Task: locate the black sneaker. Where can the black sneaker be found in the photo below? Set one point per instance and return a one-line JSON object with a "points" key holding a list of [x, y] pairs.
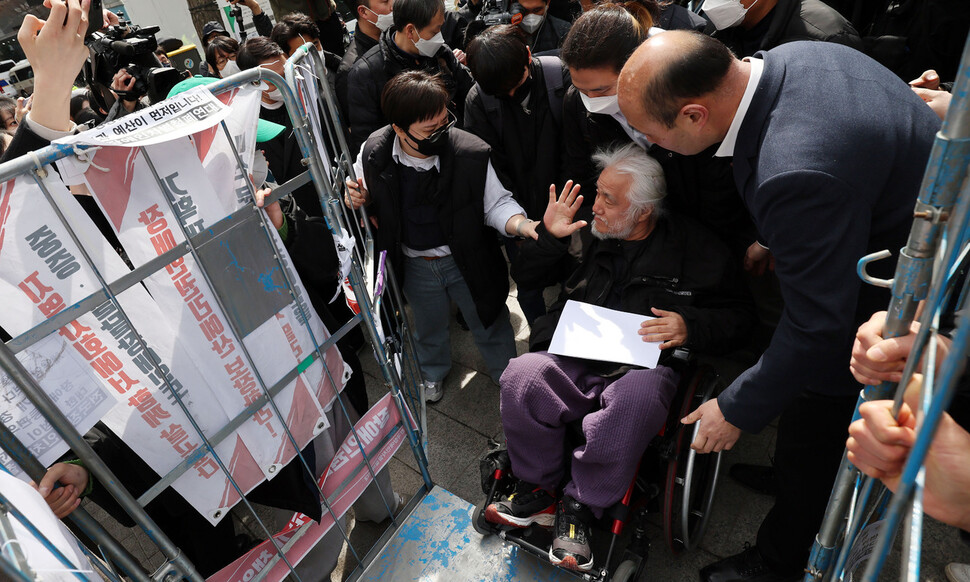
{"points": [[526, 505], [570, 549]]}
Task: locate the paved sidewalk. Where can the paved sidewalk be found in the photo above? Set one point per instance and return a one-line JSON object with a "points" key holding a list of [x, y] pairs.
{"points": [[460, 425]]}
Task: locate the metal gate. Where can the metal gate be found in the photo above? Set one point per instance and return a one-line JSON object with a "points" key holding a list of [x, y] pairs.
{"points": [[310, 105]]}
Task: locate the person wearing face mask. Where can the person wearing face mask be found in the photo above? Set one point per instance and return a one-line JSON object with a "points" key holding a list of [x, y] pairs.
{"points": [[414, 42], [373, 18], [436, 202], [748, 26], [282, 151], [297, 29], [516, 107], [221, 57], [546, 32], [595, 50]]}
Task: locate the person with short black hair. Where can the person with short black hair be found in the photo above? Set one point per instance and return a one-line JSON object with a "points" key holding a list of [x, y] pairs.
{"points": [[220, 56], [516, 107], [828, 177], [282, 152], [435, 200], [597, 47], [324, 14], [414, 42], [373, 18], [295, 30]]}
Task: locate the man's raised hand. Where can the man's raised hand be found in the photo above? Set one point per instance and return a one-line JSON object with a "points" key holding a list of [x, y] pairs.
{"points": [[559, 215]]}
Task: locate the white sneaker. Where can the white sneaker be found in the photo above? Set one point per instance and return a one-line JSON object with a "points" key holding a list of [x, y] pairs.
{"points": [[433, 391], [957, 572]]}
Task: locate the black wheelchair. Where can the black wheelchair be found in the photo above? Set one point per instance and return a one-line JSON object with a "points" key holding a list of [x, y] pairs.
{"points": [[672, 479]]}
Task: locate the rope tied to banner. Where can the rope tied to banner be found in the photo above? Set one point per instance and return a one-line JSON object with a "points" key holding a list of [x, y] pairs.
{"points": [[40, 167], [83, 153]]}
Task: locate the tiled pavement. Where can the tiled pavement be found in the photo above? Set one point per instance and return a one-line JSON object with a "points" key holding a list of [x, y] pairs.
{"points": [[460, 425]]}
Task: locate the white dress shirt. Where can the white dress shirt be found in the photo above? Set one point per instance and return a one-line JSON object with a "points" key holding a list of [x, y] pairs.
{"points": [[499, 204], [727, 146]]}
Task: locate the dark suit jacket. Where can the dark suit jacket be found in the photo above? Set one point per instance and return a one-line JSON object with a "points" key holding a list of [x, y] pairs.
{"points": [[828, 160]]}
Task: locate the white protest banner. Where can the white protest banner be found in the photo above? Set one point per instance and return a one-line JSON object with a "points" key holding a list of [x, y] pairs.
{"points": [[344, 481], [122, 182], [214, 148], [233, 189], [179, 116], [100, 354]]}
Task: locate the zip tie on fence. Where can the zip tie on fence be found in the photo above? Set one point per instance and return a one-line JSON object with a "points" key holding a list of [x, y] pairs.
{"points": [[83, 156], [40, 167]]}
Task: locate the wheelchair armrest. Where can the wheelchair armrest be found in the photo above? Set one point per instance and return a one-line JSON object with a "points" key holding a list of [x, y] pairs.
{"points": [[680, 359]]}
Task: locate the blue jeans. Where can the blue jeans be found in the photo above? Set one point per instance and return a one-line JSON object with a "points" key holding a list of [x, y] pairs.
{"points": [[430, 286]]}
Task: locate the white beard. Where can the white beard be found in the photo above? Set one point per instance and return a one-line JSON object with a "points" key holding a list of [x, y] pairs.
{"points": [[617, 230]]}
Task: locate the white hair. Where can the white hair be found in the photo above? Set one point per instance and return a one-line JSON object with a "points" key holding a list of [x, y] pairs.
{"points": [[648, 187]]}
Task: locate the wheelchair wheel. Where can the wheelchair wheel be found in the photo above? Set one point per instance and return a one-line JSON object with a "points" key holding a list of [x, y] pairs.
{"points": [[624, 572], [691, 477], [478, 520]]}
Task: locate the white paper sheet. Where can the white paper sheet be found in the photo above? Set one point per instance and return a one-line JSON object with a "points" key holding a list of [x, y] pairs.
{"points": [[597, 333]]}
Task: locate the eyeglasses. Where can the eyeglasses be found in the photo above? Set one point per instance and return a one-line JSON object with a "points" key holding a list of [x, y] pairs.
{"points": [[436, 134]]}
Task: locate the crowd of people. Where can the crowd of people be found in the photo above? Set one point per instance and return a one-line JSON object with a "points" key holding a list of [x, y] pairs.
{"points": [[716, 173]]}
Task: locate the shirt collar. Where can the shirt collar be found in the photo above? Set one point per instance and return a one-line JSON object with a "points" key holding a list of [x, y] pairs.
{"points": [[727, 145], [402, 157]]}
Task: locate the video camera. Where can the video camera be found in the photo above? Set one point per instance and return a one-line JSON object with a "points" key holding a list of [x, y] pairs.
{"points": [[125, 46], [495, 12]]}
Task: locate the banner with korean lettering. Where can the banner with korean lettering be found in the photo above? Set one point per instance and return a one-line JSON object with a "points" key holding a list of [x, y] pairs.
{"points": [[381, 433], [242, 293], [96, 361]]}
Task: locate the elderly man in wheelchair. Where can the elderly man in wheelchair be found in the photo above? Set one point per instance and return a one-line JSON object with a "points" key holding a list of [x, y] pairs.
{"points": [[635, 258]]}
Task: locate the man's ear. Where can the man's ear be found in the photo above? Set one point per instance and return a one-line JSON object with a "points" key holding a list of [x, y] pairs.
{"points": [[694, 114], [645, 215], [361, 10]]}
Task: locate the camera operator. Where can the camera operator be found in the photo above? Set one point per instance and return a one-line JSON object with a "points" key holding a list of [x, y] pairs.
{"points": [[516, 107], [414, 42]]}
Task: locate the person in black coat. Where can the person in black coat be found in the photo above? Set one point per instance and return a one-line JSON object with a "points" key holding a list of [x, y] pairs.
{"points": [[828, 178], [373, 18], [637, 259], [748, 26], [414, 42], [700, 186], [436, 203], [546, 32], [517, 110], [282, 152]]}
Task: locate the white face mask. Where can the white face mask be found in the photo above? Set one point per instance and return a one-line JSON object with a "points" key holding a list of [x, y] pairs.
{"points": [[725, 13], [532, 22], [231, 68], [384, 21], [429, 47], [608, 105]]}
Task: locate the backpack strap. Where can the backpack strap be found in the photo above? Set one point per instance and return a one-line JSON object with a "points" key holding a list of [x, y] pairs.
{"points": [[493, 109], [552, 72]]}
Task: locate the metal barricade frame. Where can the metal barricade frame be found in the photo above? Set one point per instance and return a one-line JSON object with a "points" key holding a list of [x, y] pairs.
{"points": [[176, 564]]}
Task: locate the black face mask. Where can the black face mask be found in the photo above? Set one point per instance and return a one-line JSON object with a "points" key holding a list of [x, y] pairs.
{"points": [[435, 143], [521, 92]]}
